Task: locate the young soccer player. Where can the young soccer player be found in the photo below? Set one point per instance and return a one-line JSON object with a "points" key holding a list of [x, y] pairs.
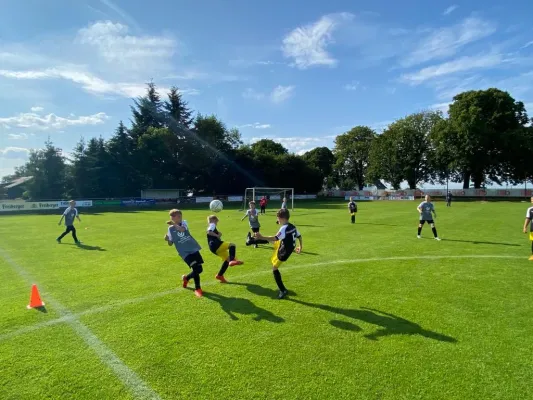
{"points": [[188, 248], [449, 199], [529, 221], [284, 245], [352, 206], [426, 209], [226, 251], [70, 214], [253, 219], [284, 203], [263, 204]]}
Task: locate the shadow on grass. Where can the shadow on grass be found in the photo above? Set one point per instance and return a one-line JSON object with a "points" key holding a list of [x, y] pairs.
{"points": [[481, 242], [260, 290], [83, 246], [237, 305], [41, 309], [389, 324]]}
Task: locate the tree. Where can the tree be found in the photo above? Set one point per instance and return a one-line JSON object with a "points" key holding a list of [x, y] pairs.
{"points": [[482, 123], [384, 160], [268, 146], [352, 151], [123, 175], [147, 112], [177, 113], [47, 166], [322, 159]]}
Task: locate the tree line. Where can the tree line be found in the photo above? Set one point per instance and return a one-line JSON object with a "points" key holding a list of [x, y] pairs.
{"points": [[486, 138]]}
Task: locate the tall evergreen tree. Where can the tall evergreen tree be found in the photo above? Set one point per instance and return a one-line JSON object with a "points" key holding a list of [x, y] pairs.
{"points": [[147, 112], [123, 174]]}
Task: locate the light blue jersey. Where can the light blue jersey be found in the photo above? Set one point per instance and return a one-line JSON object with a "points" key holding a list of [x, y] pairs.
{"points": [[184, 243], [427, 209]]}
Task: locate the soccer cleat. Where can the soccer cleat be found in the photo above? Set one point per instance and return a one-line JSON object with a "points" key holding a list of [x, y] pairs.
{"points": [[221, 279], [256, 246], [419, 237], [282, 294], [78, 243], [437, 238], [235, 262], [198, 293], [185, 281], [58, 241]]}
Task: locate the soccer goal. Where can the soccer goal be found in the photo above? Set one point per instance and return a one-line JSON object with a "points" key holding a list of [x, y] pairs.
{"points": [[274, 195]]}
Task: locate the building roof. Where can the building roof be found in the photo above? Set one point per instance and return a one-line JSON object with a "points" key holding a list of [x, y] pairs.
{"points": [[18, 182]]}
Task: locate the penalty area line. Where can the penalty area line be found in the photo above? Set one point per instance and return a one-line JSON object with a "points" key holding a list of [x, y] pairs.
{"points": [[142, 299]]}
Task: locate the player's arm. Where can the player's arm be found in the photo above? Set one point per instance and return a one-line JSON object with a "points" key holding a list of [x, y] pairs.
{"points": [[78, 215], [434, 212], [526, 223], [168, 237], [300, 248], [245, 215], [62, 216], [210, 231]]}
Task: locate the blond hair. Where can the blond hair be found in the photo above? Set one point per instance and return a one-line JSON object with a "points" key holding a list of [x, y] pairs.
{"points": [[172, 213]]}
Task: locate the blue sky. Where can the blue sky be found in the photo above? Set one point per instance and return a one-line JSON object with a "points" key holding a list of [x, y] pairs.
{"points": [[299, 72]]}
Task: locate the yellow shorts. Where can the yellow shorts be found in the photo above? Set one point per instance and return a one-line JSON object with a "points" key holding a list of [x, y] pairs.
{"points": [[531, 236], [223, 251], [276, 263]]}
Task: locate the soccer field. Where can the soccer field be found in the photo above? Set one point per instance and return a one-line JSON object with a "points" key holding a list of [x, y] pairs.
{"points": [[373, 312]]}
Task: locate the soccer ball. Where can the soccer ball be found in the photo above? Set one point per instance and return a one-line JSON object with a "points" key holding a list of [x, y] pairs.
{"points": [[216, 206]]}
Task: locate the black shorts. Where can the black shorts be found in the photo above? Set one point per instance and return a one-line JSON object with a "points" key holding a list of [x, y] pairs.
{"points": [[193, 259], [255, 230], [423, 221]]}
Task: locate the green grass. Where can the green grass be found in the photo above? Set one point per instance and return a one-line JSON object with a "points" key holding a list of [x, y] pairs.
{"points": [[375, 314]]}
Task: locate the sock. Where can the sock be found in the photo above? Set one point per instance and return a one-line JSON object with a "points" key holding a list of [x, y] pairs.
{"points": [[419, 231], [261, 242], [434, 232], [74, 235], [232, 251], [277, 277], [223, 268], [195, 274], [353, 219]]}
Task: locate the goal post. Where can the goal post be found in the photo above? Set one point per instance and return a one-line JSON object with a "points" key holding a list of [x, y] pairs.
{"points": [[273, 194]]}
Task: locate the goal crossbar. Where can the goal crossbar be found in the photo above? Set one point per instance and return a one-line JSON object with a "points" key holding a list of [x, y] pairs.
{"points": [[254, 192]]}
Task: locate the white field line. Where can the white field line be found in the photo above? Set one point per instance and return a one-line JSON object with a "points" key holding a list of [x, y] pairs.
{"points": [[128, 377], [137, 300]]}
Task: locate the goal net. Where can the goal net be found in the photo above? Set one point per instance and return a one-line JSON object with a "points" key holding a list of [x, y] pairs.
{"points": [[274, 196]]}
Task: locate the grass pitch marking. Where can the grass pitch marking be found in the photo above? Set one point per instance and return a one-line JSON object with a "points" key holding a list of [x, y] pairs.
{"points": [[128, 377], [70, 317]]}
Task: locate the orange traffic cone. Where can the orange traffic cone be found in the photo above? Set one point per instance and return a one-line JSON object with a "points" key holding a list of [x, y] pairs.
{"points": [[35, 298]]}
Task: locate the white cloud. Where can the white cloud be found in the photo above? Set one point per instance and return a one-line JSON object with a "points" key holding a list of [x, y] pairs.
{"points": [[255, 125], [307, 45], [18, 136], [450, 9], [443, 107], [527, 45], [351, 86], [462, 64], [446, 42], [281, 93], [122, 13], [298, 144], [14, 153], [87, 81], [37, 109], [50, 121], [250, 93], [117, 47]]}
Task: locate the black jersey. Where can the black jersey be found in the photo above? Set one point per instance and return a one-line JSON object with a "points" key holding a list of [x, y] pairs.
{"points": [[286, 237], [352, 206], [213, 242]]}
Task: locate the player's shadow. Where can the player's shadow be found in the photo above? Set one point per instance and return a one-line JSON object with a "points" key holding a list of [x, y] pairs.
{"points": [[238, 305], [481, 242], [260, 290], [83, 246], [389, 324]]}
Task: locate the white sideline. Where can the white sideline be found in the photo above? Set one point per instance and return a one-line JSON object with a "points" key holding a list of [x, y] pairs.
{"points": [[97, 310], [128, 377]]}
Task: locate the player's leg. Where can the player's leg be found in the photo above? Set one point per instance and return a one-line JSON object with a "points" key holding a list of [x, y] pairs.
{"points": [[531, 238], [222, 271], [434, 230], [67, 231], [276, 263], [73, 230], [353, 218], [420, 225], [232, 250]]}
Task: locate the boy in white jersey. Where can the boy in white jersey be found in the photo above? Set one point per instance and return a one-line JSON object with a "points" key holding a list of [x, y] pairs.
{"points": [[284, 245], [225, 250], [70, 214], [187, 247], [426, 209], [529, 221]]}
